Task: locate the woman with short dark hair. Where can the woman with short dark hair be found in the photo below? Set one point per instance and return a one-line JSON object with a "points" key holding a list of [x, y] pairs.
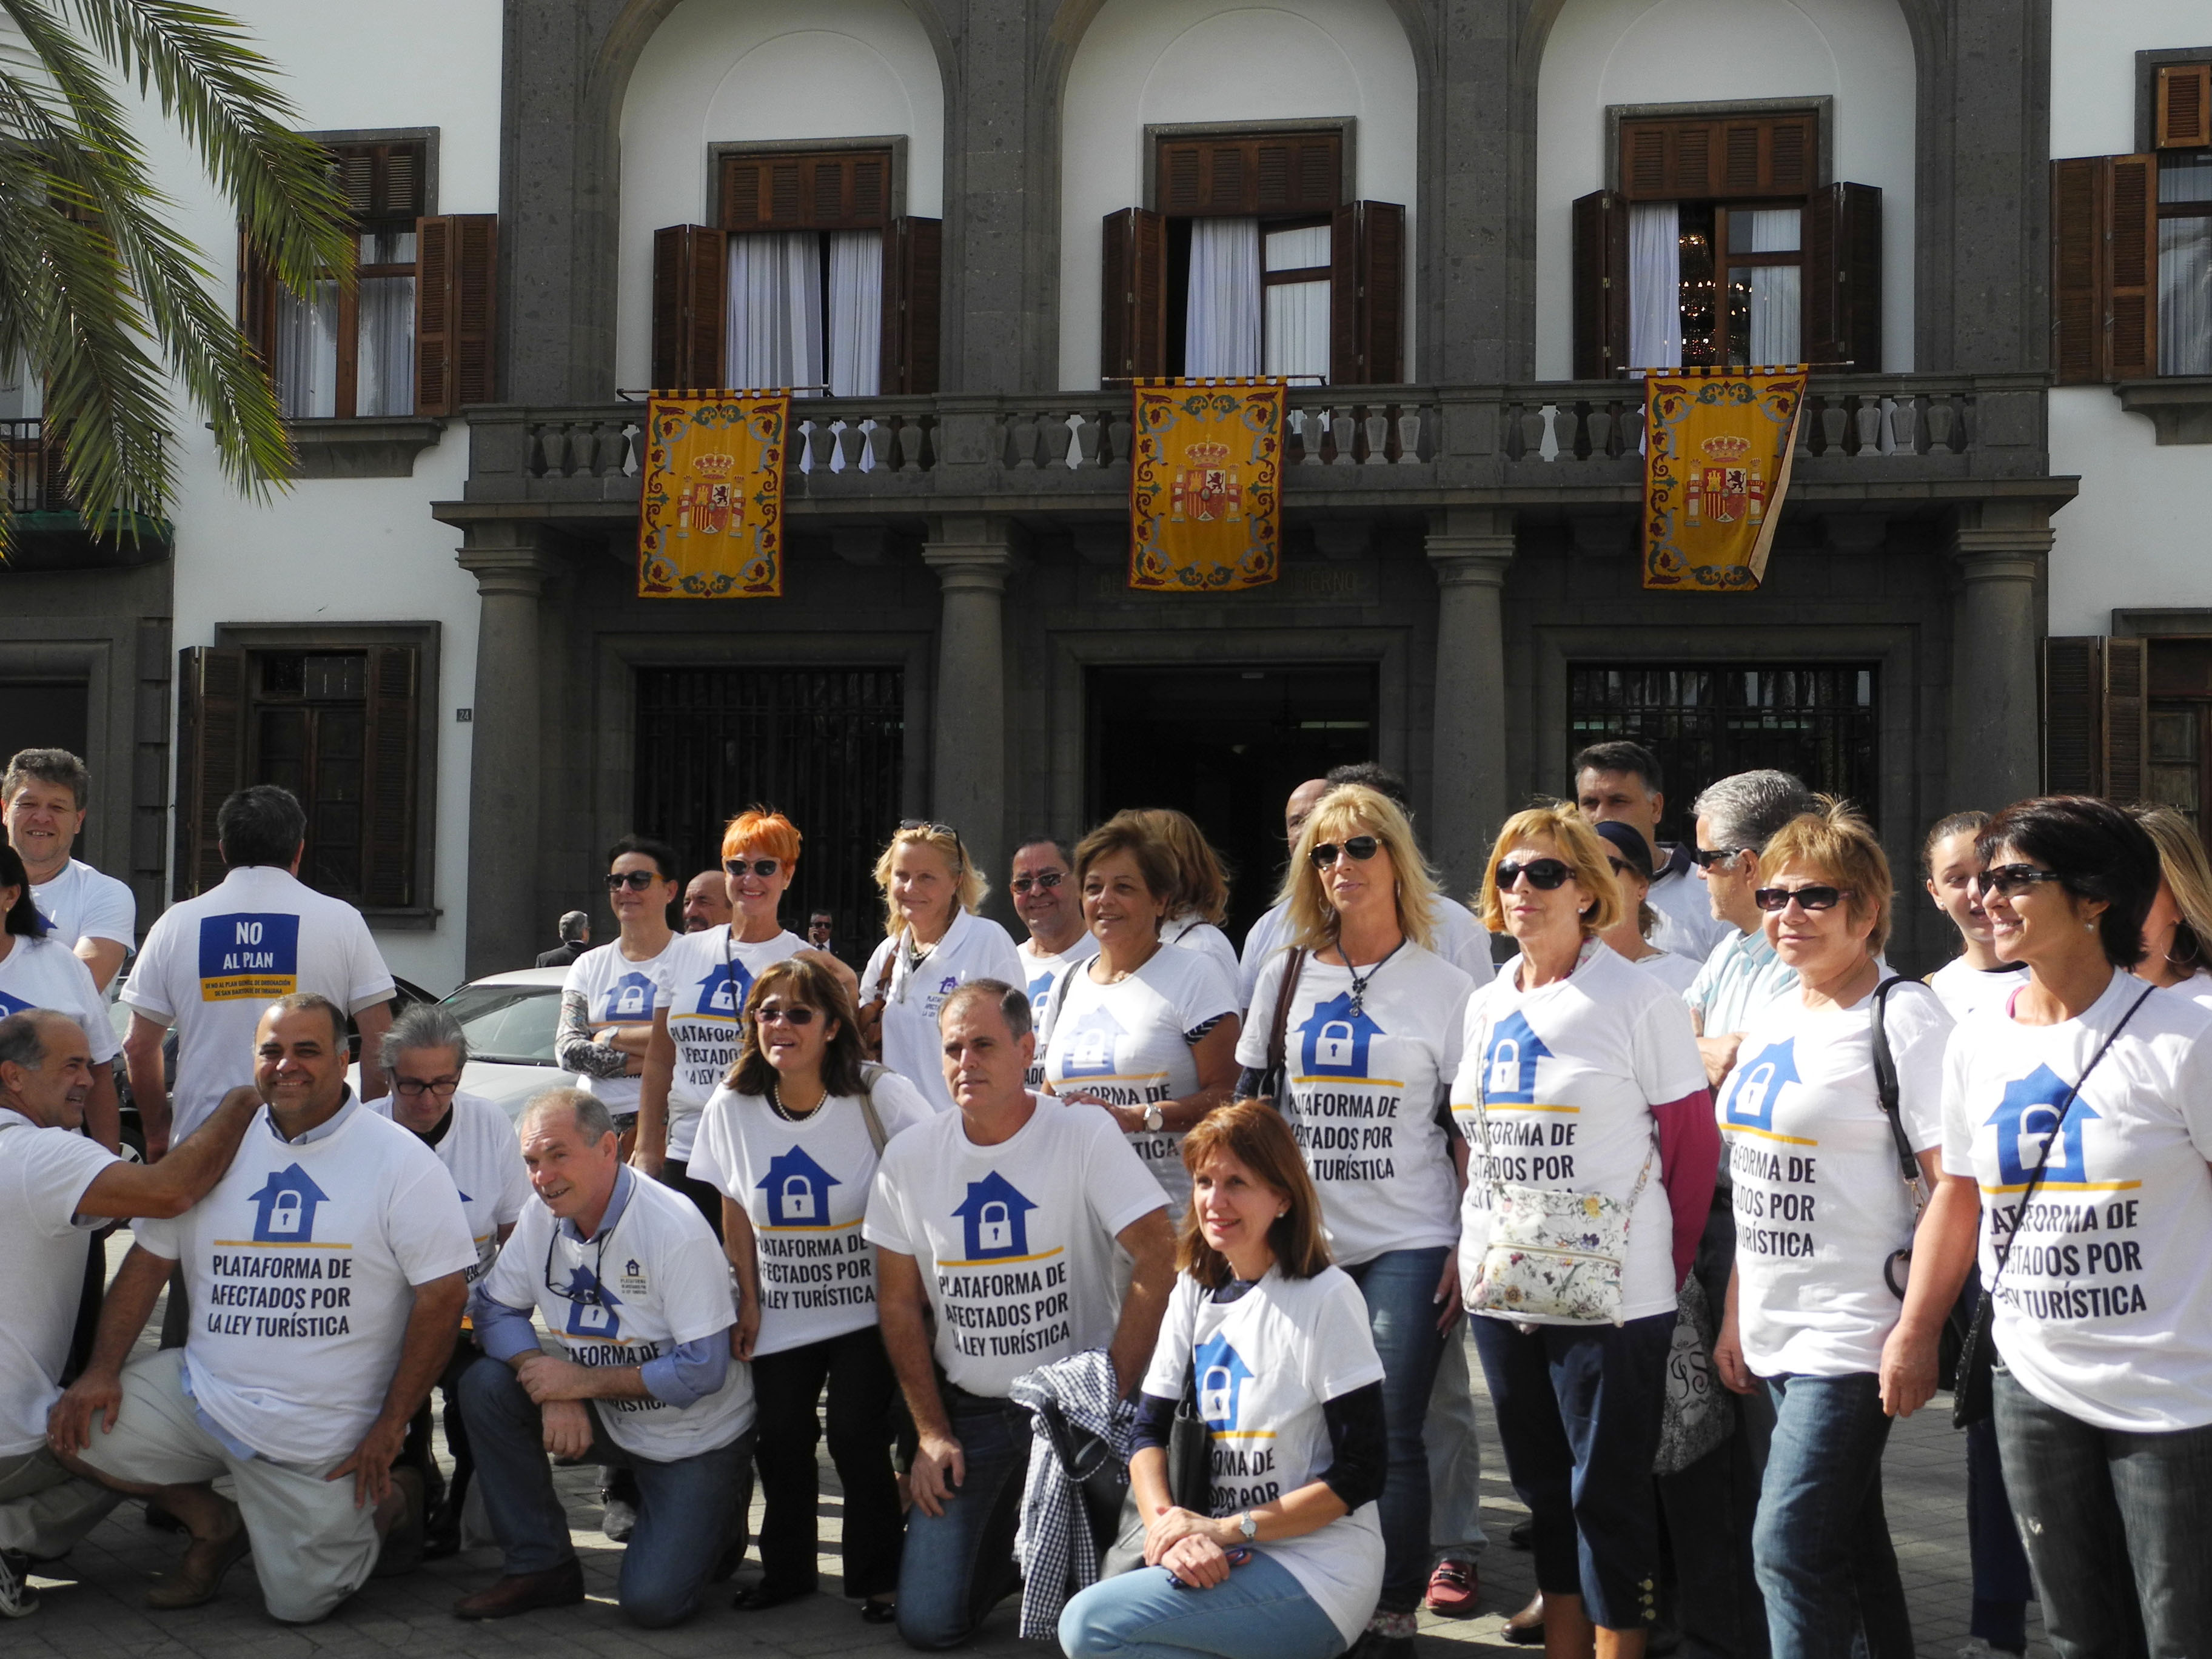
{"points": [[2083, 1112]]}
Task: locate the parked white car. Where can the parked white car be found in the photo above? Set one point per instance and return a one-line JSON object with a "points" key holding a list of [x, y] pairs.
{"points": [[510, 1020]]}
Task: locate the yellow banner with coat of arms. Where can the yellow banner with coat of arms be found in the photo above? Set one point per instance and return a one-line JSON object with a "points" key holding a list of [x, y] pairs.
{"points": [[1205, 485], [710, 508], [1718, 449]]}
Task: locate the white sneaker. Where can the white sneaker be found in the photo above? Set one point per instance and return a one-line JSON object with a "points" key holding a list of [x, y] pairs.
{"points": [[1975, 1647], [17, 1599]]}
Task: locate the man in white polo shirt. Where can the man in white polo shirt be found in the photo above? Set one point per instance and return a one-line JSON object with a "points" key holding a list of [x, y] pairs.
{"points": [[1001, 1218], [634, 1286], [1045, 899], [45, 793], [326, 1271]]}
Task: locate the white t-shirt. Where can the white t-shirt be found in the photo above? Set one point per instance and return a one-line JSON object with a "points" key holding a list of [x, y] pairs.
{"points": [[1676, 973], [1041, 973], [1266, 1364], [300, 1267], [974, 947], [805, 1186], [655, 1280], [81, 903], [1460, 940], [1124, 1043], [617, 992], [2197, 988], [212, 965], [705, 979], [43, 1174], [2104, 1311], [1364, 1090], [1195, 932], [1015, 1242], [1687, 926], [481, 1151], [45, 973], [1967, 990], [1820, 1203], [1569, 1073]]}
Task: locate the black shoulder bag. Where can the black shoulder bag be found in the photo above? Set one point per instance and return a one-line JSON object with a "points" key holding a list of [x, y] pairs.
{"points": [[1190, 1480], [1275, 1081], [1971, 1402], [1897, 1269]]}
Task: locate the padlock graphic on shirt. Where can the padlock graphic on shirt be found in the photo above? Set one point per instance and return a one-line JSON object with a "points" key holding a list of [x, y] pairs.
{"points": [[1093, 1048], [798, 1199], [285, 1215], [591, 1318], [1504, 1067], [632, 999], [1217, 1394], [1335, 1045], [994, 1227]]}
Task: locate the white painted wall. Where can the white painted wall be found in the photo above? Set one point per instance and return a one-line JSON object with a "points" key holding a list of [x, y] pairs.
{"points": [[2136, 535], [367, 549], [1150, 61], [1603, 52], [726, 71]]}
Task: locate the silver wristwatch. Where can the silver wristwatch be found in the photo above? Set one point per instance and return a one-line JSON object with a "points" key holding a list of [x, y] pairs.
{"points": [[1155, 1119], [1248, 1526]]}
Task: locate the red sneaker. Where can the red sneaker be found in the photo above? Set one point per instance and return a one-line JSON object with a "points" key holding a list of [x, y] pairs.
{"points": [[1454, 1588]]}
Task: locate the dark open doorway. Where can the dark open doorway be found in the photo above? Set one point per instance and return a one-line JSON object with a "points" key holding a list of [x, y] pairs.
{"points": [[1225, 746]]}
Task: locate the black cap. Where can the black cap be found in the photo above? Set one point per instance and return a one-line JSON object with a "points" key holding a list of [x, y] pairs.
{"points": [[1627, 840]]}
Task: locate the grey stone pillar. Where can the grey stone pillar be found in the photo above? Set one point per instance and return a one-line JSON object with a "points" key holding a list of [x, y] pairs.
{"points": [[505, 807], [1996, 724], [967, 748], [1469, 549]]}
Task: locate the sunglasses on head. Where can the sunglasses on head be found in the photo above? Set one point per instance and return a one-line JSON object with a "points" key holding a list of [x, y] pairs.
{"points": [[1547, 875], [2011, 878], [936, 829], [1816, 897], [1044, 881], [636, 880], [1707, 857], [1359, 846], [798, 1015], [762, 868]]}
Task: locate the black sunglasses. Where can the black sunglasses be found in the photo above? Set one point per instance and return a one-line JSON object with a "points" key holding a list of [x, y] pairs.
{"points": [[2010, 878], [1546, 875], [936, 829], [1044, 881], [1817, 897], [796, 1016], [1362, 847], [636, 880], [762, 868], [1707, 857]]}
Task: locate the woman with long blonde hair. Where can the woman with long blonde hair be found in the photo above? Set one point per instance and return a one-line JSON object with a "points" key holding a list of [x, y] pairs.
{"points": [[2177, 931]]}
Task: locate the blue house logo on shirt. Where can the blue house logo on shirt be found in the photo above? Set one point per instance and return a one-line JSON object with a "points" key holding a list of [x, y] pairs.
{"points": [[630, 997], [1336, 1038], [2025, 1120], [1509, 1062], [1041, 994], [994, 1217], [1091, 1045], [10, 1006], [1221, 1376], [288, 1201], [1752, 1090], [724, 990], [591, 1305], [798, 1190]]}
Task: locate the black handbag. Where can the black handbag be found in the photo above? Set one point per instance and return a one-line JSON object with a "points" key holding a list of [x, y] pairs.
{"points": [[1190, 1481], [1972, 1402]]}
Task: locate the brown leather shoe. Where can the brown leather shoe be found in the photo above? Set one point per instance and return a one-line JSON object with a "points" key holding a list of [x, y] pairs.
{"points": [[198, 1577], [1526, 1628], [559, 1587]]}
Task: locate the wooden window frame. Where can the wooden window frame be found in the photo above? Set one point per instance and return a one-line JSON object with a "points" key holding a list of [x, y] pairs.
{"points": [[424, 142], [1296, 274], [1820, 111], [1726, 263]]}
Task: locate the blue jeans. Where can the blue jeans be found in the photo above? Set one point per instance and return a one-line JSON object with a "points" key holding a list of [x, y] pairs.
{"points": [[686, 1508], [2003, 1588], [1821, 1541], [958, 1565], [1261, 1612], [1400, 1288], [2119, 1529]]}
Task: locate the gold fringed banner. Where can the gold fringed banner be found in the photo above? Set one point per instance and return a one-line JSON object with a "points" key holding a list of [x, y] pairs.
{"points": [[1717, 448], [710, 508], [1205, 485]]}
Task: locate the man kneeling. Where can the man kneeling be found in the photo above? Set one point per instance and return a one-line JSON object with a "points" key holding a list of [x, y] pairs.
{"points": [[633, 1285]]}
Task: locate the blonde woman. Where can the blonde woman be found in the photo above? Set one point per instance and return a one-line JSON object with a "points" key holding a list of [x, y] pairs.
{"points": [[933, 943], [2178, 932], [1200, 902], [1371, 1037]]}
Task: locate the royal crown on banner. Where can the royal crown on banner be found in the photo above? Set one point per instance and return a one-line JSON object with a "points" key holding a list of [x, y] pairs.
{"points": [[1718, 450], [710, 504]]}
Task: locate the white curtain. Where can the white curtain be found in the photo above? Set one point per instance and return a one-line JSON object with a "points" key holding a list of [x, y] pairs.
{"points": [[22, 396], [2185, 272], [307, 353], [1222, 336], [1295, 330], [1776, 337], [384, 379], [856, 313], [1654, 285], [774, 311]]}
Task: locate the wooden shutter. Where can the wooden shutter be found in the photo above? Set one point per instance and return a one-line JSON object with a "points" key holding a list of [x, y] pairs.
{"points": [[913, 284], [388, 768], [456, 258], [691, 269], [1133, 296], [256, 303], [1843, 277], [835, 190], [1273, 173], [1366, 294], [380, 181], [2131, 300], [2096, 700], [211, 710], [1600, 285], [2104, 242], [2185, 106], [1707, 158]]}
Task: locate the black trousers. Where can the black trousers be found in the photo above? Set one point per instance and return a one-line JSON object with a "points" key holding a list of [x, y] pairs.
{"points": [[677, 1172], [786, 1388], [417, 1453]]}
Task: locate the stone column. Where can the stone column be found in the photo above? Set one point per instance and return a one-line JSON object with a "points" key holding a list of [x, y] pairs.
{"points": [[504, 806], [967, 747], [1996, 714], [1469, 549]]}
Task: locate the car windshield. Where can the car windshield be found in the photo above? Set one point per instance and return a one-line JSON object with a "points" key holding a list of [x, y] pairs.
{"points": [[508, 1024]]}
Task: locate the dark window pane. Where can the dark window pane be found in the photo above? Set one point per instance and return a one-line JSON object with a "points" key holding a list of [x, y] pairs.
{"points": [[283, 673], [334, 676]]}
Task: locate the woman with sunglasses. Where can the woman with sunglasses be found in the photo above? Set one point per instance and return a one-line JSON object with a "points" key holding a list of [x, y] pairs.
{"points": [[1370, 1041], [1628, 855], [2178, 932], [1581, 1073], [934, 943], [1820, 1309], [1143, 1031], [607, 1000], [2083, 1111], [1202, 900], [697, 1020], [790, 1142]]}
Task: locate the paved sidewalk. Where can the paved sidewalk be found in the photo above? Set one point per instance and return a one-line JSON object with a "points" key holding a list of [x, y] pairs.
{"points": [[95, 1613]]}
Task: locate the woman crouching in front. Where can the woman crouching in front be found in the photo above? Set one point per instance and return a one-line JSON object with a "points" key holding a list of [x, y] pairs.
{"points": [[1282, 1558]]}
